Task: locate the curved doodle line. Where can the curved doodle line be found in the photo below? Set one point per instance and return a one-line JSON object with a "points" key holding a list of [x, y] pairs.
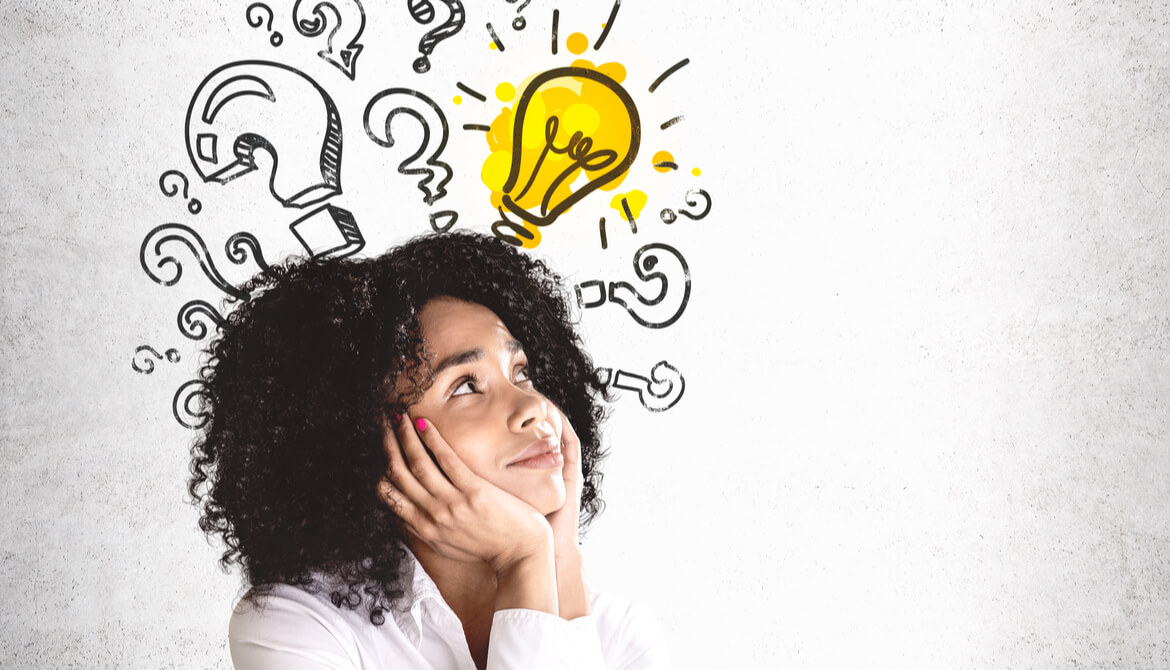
{"points": [[519, 23], [669, 71], [171, 190], [515, 233], [448, 216], [430, 40], [692, 203], [495, 37], [238, 246], [439, 191], [644, 263], [608, 25], [626, 381], [346, 59], [181, 405], [177, 232], [204, 146], [147, 363], [193, 317], [254, 20]]}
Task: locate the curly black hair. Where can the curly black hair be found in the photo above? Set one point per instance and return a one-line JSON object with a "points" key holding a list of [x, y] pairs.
{"points": [[297, 385]]}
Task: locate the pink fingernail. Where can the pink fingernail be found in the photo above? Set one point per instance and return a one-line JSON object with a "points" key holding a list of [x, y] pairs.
{"points": [[397, 419], [422, 424]]}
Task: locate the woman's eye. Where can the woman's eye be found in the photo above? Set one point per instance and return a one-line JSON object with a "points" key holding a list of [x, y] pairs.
{"points": [[465, 387], [522, 375]]}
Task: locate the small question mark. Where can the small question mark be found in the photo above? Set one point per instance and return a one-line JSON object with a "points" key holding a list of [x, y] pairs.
{"points": [[657, 393], [668, 216], [347, 13], [519, 22], [423, 12], [388, 104], [255, 17], [652, 312], [171, 190], [144, 364]]}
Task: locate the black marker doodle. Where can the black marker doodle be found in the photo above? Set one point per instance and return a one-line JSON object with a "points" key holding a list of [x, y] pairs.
{"points": [[144, 364], [346, 14], [671, 122], [188, 405], [604, 239], [654, 311], [657, 393], [238, 246], [608, 24], [423, 12], [519, 22], [611, 163], [510, 231], [172, 189], [470, 91], [443, 221], [194, 317], [669, 71], [666, 165], [255, 16], [328, 232], [629, 216], [177, 233], [495, 37], [247, 106], [668, 216], [394, 101], [556, 23]]}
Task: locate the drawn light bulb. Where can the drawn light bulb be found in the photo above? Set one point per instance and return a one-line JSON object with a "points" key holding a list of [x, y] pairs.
{"points": [[575, 130]]}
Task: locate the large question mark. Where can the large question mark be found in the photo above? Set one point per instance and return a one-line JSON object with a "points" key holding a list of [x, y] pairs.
{"points": [[519, 22], [668, 216], [172, 189], [255, 17], [346, 13], [657, 393], [144, 364], [388, 104], [654, 311], [247, 106], [423, 12]]}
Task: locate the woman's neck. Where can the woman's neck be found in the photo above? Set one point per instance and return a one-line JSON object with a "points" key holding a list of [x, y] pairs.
{"points": [[469, 589]]}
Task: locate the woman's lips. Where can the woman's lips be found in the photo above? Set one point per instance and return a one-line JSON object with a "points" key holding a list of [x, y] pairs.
{"points": [[541, 454]]}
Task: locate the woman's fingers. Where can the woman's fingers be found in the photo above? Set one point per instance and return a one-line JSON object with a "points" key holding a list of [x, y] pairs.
{"points": [[399, 473], [418, 461], [456, 470]]}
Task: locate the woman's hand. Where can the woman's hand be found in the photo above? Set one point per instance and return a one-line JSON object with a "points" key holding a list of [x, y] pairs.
{"points": [[572, 593], [458, 514]]}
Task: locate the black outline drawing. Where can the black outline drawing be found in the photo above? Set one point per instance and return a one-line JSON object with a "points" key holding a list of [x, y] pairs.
{"points": [[656, 392], [449, 217], [495, 37], [177, 232], [671, 122], [315, 24], [601, 228], [321, 178], [645, 262], [470, 91], [181, 405], [423, 12], [668, 216], [171, 190], [238, 246], [194, 316], [481, 127], [578, 149], [519, 23], [669, 71], [328, 232], [145, 364], [629, 216], [671, 165], [608, 25], [556, 24], [397, 99], [254, 19]]}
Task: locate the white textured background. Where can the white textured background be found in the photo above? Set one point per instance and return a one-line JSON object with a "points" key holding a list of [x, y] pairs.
{"points": [[927, 353]]}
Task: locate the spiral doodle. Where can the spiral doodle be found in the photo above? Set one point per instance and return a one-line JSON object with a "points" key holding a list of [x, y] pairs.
{"points": [[188, 405], [193, 318], [177, 233]]}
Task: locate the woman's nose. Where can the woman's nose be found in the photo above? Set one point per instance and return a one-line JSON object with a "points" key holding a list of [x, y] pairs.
{"points": [[530, 407]]}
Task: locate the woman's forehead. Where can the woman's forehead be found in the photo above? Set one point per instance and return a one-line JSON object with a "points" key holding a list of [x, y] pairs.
{"points": [[449, 325]]}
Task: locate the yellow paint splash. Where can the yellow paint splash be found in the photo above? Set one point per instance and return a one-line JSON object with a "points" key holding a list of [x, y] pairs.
{"points": [[635, 199], [458, 100], [577, 43], [505, 92], [662, 157], [492, 46], [696, 172]]}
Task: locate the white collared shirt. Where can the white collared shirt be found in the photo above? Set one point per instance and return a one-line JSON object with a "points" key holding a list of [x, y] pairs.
{"points": [[294, 629]]}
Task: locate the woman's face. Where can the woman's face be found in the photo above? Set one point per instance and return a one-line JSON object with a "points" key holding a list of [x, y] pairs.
{"points": [[484, 405]]}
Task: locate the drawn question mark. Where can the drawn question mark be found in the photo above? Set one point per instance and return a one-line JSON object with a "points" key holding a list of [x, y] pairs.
{"points": [[655, 311], [255, 17], [657, 393], [346, 13], [423, 12], [668, 216], [392, 102], [519, 22], [154, 260], [188, 406], [142, 362], [172, 189], [249, 106]]}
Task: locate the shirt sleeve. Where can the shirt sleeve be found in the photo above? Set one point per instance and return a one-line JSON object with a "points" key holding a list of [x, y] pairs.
{"points": [[288, 633], [531, 640]]}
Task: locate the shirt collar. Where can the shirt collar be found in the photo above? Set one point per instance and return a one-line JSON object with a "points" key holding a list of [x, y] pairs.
{"points": [[420, 588]]}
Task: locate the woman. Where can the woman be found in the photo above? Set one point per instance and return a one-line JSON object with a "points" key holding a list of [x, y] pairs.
{"points": [[414, 435]]}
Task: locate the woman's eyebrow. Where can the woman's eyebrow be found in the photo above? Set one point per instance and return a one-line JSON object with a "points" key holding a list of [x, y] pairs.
{"points": [[466, 356]]}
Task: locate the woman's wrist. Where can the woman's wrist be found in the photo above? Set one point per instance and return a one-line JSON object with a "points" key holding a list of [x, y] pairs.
{"points": [[528, 580]]}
